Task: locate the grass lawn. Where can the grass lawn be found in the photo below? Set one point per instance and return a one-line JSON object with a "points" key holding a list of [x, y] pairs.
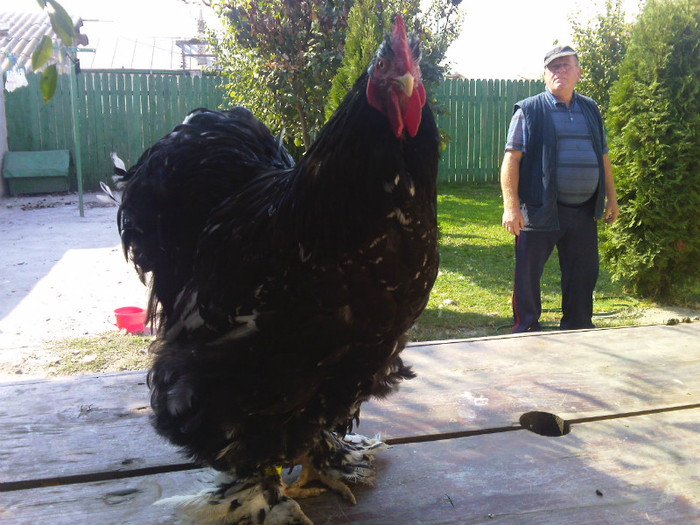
{"points": [[472, 294]]}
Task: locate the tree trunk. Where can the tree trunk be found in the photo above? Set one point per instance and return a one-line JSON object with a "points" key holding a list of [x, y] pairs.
{"points": [[304, 126]]}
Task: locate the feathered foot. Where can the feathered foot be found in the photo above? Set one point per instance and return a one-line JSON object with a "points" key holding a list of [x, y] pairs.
{"points": [[337, 460], [259, 500]]}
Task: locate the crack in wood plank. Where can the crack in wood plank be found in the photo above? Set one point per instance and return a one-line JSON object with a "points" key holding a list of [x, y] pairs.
{"points": [[177, 467]]}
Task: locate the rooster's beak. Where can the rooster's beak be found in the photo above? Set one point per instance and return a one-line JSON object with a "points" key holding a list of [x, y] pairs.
{"points": [[405, 82]]}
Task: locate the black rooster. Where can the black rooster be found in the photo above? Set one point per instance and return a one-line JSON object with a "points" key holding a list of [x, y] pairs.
{"points": [[282, 292]]}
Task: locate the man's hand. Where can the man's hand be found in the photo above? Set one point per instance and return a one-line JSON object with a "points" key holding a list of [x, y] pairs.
{"points": [[612, 211], [513, 220]]}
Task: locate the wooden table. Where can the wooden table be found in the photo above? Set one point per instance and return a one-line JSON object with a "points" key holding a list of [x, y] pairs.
{"points": [[80, 450]]}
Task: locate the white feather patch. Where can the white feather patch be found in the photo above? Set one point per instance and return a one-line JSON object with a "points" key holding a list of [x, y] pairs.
{"points": [[411, 188], [403, 219], [249, 328], [118, 163], [190, 318], [212, 506], [303, 256]]}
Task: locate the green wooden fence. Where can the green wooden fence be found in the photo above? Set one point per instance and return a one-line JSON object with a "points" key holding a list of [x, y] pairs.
{"points": [[477, 119], [128, 111], [118, 111]]}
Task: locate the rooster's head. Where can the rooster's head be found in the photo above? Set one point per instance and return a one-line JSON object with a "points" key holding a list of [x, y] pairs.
{"points": [[395, 87]]}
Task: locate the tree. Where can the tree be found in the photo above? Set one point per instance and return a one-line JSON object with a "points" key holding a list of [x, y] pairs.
{"points": [[369, 20], [62, 25], [364, 33], [279, 57], [601, 46], [439, 26], [654, 122]]}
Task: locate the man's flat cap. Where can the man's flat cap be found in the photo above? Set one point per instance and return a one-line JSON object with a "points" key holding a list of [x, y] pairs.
{"points": [[558, 52]]}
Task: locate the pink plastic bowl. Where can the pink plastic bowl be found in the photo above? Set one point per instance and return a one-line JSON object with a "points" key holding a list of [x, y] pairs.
{"points": [[130, 318]]}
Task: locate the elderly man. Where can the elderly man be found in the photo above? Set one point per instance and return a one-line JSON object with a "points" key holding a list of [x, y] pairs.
{"points": [[557, 182]]}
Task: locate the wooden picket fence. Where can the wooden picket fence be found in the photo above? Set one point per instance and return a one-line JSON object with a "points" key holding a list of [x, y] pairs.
{"points": [[119, 111], [477, 119], [127, 111]]}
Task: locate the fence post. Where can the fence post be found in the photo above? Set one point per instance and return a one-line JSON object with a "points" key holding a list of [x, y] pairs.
{"points": [[76, 129]]}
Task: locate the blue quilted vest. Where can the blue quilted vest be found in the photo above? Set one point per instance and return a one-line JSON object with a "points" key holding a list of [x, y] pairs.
{"points": [[537, 186]]}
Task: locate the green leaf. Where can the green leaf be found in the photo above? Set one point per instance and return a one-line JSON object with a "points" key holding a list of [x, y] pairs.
{"points": [[61, 23], [47, 84], [42, 3], [42, 53]]}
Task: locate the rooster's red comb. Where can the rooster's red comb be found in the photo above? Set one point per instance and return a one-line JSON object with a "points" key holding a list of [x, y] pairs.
{"points": [[399, 44], [399, 29]]}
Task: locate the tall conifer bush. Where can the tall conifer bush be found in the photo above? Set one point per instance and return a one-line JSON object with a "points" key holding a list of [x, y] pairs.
{"points": [[654, 135], [601, 45], [364, 33]]}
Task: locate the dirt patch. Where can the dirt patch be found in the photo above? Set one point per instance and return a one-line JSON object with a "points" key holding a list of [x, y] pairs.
{"points": [[669, 315], [62, 276]]}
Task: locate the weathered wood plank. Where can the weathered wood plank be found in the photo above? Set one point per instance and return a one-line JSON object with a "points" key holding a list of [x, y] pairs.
{"points": [[112, 129], [461, 103], [100, 423], [634, 470], [91, 128], [645, 468], [70, 427], [490, 382]]}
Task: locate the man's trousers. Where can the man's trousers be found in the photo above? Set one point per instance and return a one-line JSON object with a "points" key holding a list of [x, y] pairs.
{"points": [[577, 245]]}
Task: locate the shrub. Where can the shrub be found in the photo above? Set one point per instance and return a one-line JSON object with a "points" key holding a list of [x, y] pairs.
{"points": [[654, 123], [601, 47]]}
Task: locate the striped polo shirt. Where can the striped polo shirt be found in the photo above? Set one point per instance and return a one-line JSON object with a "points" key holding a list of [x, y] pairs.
{"points": [[577, 164]]}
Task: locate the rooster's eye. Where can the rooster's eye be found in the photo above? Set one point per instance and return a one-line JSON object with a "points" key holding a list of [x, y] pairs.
{"points": [[380, 63]]}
